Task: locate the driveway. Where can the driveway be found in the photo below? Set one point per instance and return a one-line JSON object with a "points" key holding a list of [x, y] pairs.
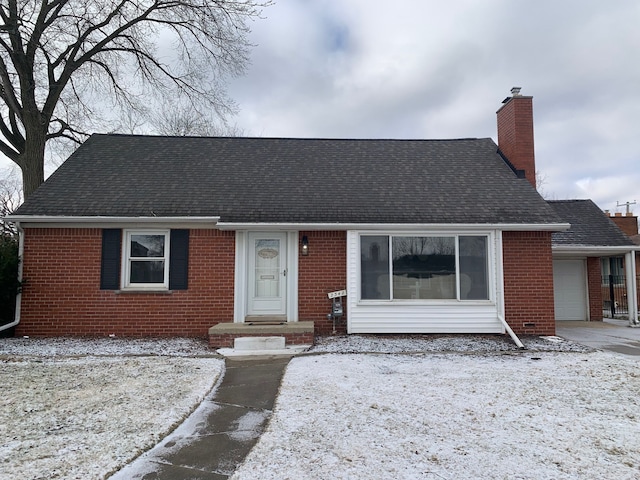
{"points": [[613, 335]]}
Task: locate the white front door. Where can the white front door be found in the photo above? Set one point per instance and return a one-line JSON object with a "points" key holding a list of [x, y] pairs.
{"points": [[267, 274]]}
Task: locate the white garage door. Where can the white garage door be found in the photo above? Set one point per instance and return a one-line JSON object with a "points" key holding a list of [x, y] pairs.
{"points": [[569, 288]]}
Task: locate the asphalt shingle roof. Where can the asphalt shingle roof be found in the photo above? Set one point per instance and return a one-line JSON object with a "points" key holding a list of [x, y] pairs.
{"points": [[291, 180], [590, 226]]}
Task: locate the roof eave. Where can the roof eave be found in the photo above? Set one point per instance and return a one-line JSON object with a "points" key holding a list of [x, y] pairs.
{"points": [[551, 227], [52, 221], [592, 250], [214, 221]]}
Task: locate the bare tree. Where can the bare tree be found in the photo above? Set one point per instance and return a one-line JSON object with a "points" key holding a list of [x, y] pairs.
{"points": [[10, 199], [403, 246], [132, 120], [541, 181], [183, 121], [60, 60]]}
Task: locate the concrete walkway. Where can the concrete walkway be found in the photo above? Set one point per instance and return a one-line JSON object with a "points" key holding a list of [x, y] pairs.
{"points": [[216, 438], [613, 335]]}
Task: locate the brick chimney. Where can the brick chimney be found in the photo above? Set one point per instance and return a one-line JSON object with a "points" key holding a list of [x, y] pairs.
{"points": [[515, 133], [628, 224]]}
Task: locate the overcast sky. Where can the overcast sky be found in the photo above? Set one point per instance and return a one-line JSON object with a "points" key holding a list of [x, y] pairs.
{"points": [[440, 69], [434, 69]]}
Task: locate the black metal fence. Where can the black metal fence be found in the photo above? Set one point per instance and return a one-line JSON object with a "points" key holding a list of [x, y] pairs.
{"points": [[614, 295]]}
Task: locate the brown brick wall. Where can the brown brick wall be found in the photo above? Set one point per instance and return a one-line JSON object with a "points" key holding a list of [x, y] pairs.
{"points": [[594, 286], [528, 282], [628, 224], [62, 295], [225, 340], [324, 270]]}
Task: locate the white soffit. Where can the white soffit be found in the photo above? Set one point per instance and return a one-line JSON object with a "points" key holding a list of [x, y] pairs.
{"points": [[551, 227], [46, 221], [591, 251]]}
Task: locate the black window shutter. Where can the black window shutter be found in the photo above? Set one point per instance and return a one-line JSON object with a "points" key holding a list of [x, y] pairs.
{"points": [[110, 263], [179, 259]]}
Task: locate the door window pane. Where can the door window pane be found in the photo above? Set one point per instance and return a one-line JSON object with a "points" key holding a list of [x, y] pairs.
{"points": [[424, 268], [473, 268], [374, 267], [267, 268]]}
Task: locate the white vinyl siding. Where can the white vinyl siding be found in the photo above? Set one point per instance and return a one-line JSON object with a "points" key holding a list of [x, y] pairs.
{"points": [[422, 315]]}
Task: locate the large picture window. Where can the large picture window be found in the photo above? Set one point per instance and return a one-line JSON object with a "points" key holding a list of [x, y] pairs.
{"points": [[395, 267], [146, 259]]}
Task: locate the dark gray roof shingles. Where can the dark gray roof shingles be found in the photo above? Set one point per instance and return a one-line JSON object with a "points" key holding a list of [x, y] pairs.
{"points": [[290, 181], [590, 226]]}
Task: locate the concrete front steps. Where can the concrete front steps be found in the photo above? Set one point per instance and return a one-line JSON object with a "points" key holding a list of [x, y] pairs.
{"points": [[252, 346], [254, 338]]}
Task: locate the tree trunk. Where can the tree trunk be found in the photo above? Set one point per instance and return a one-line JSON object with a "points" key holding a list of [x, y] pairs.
{"points": [[31, 161]]}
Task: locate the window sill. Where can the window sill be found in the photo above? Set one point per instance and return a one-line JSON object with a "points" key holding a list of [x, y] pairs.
{"points": [[425, 302], [154, 291]]}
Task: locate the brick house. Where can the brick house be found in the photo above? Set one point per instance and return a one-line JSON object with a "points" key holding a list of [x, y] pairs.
{"points": [[185, 236], [578, 256], [617, 265]]}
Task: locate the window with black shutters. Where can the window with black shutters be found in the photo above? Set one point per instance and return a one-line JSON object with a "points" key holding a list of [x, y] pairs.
{"points": [[144, 259]]}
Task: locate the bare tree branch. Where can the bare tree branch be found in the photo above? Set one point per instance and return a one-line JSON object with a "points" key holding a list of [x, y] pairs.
{"points": [[59, 57], [183, 120], [10, 198]]}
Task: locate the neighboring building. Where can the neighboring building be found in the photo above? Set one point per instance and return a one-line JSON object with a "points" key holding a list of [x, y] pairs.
{"points": [[142, 235], [627, 223], [579, 255], [615, 266]]}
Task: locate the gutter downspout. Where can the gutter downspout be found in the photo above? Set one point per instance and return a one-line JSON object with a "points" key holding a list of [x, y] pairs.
{"points": [[16, 320], [513, 336]]}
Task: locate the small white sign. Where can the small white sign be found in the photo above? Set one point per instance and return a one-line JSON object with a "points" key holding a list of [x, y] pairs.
{"points": [[339, 293]]}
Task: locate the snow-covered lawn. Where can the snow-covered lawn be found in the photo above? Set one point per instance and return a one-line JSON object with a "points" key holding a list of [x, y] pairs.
{"points": [[81, 409], [510, 415], [473, 407]]}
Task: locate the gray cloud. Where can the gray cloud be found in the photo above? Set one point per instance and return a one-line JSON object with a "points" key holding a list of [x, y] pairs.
{"points": [[432, 69], [426, 69]]}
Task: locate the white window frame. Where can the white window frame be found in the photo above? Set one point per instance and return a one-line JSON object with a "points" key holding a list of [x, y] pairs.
{"points": [[490, 266], [126, 261]]}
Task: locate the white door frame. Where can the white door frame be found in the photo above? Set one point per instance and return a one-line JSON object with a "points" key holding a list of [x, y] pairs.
{"points": [[241, 293], [267, 274]]}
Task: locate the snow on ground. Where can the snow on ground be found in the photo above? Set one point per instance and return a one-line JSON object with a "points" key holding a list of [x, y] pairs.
{"points": [[175, 347], [81, 409], [440, 343], [454, 407], [510, 415]]}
